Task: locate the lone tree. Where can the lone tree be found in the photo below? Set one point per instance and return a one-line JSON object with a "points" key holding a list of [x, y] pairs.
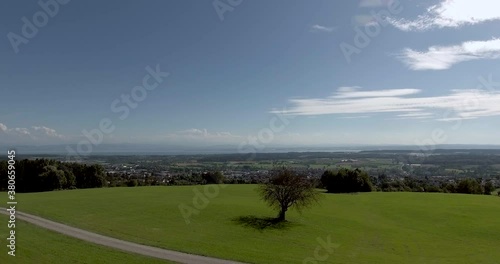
{"points": [[288, 189]]}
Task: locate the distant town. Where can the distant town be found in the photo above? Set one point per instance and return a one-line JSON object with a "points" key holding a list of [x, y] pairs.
{"points": [[389, 170]]}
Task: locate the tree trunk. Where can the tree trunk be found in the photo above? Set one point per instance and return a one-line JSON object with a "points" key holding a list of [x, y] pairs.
{"points": [[281, 216]]}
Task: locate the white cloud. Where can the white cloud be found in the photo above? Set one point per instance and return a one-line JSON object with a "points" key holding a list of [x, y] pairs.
{"points": [[419, 115], [22, 131], [353, 92], [194, 132], [459, 104], [318, 28], [33, 135], [45, 131], [453, 14], [444, 57], [354, 117]]}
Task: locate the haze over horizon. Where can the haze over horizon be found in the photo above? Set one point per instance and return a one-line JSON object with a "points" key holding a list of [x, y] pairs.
{"points": [[256, 74]]}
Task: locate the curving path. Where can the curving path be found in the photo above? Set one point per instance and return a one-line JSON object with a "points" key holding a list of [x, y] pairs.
{"points": [[122, 245]]}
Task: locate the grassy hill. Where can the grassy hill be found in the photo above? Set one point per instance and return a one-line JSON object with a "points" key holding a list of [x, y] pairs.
{"points": [[37, 245], [367, 228]]}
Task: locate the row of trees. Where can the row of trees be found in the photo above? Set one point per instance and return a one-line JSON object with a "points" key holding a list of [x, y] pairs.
{"points": [[411, 184], [349, 181], [47, 175], [195, 178]]}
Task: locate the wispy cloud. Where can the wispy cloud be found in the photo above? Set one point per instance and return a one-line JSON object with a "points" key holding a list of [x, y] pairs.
{"points": [[46, 132], [354, 117], [419, 115], [34, 134], [452, 14], [195, 135], [459, 104], [318, 28], [194, 132], [354, 92], [444, 57], [22, 131], [364, 20], [375, 3]]}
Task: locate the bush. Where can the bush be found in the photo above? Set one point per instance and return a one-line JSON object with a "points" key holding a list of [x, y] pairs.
{"points": [[488, 188], [132, 183], [469, 186], [432, 188], [346, 181], [213, 177]]}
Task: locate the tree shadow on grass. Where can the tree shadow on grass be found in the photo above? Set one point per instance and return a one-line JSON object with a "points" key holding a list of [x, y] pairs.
{"points": [[262, 223]]}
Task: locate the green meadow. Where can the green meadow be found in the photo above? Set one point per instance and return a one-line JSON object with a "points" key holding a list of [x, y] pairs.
{"points": [[40, 246], [365, 228]]}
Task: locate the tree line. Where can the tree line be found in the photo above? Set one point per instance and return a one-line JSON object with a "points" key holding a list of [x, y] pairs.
{"points": [[41, 175], [411, 184], [350, 181], [47, 175], [195, 178]]}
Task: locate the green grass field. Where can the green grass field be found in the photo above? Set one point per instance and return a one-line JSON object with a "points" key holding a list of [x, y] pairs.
{"points": [[40, 246], [369, 228]]}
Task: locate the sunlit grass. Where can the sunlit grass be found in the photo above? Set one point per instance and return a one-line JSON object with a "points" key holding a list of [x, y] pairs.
{"points": [[370, 227], [40, 246]]}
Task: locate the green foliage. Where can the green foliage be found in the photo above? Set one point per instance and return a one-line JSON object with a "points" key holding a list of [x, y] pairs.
{"points": [[469, 186], [488, 187], [449, 188], [132, 183], [346, 181], [92, 176], [70, 179], [213, 177], [52, 178], [412, 184], [47, 175]]}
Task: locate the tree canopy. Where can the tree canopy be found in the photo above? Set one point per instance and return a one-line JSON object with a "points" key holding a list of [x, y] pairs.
{"points": [[47, 175], [288, 189], [346, 181]]}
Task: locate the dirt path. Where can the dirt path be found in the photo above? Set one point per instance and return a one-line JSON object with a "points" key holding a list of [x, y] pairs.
{"points": [[117, 243]]}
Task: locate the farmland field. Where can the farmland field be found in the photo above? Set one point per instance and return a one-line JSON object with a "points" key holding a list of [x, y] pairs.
{"points": [[367, 228]]}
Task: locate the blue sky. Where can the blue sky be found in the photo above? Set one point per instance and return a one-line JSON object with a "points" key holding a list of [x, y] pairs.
{"points": [[428, 71]]}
